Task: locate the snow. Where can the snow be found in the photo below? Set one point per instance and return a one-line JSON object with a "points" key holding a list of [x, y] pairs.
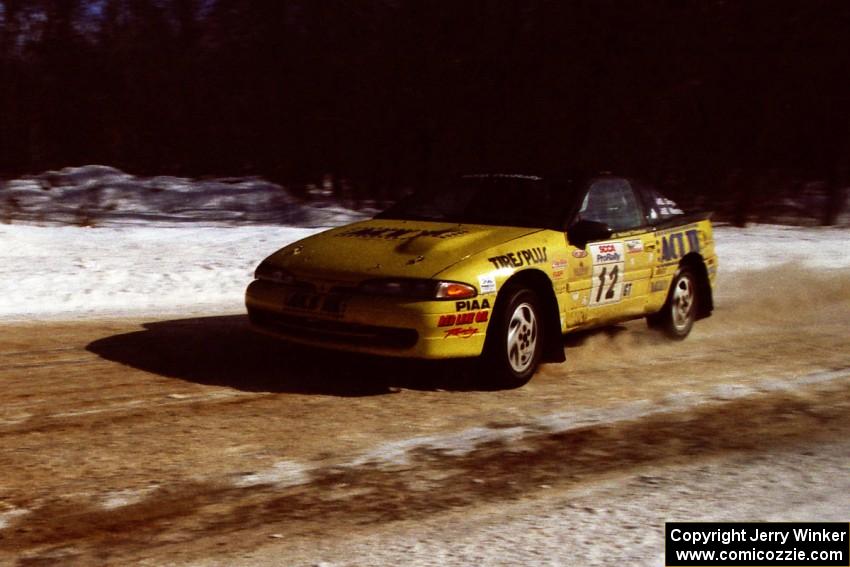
{"points": [[762, 246], [76, 272], [169, 245]]}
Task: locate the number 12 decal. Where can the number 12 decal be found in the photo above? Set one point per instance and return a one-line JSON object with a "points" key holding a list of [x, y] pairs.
{"points": [[608, 272], [602, 280]]}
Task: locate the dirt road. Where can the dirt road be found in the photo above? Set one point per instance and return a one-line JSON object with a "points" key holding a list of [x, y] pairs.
{"points": [[194, 441]]}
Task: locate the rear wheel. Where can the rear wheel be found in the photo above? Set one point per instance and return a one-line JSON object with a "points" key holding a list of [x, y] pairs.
{"points": [[514, 339], [677, 316]]}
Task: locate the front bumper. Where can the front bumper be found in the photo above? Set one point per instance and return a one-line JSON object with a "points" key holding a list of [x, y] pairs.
{"points": [[376, 325]]}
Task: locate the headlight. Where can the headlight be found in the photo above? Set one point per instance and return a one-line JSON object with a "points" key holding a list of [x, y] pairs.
{"points": [[418, 289], [266, 271]]}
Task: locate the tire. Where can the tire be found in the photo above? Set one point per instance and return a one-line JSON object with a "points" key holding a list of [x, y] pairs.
{"points": [[676, 318], [515, 338]]}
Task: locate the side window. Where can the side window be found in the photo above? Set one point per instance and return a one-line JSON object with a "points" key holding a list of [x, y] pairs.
{"points": [[659, 208], [613, 202]]}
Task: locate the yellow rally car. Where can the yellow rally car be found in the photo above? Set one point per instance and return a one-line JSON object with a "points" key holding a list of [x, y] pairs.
{"points": [[496, 266]]}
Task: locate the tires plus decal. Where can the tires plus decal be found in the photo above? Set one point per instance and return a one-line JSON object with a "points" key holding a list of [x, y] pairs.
{"points": [[466, 318], [677, 244], [608, 272], [401, 233], [527, 257]]}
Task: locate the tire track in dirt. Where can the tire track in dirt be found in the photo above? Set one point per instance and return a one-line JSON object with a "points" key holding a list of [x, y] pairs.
{"points": [[339, 497]]}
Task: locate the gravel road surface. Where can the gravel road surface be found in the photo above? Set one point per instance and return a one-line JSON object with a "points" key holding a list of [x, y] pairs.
{"points": [[193, 441]]}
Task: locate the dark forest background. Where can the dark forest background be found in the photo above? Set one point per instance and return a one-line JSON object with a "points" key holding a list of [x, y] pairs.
{"points": [[719, 101]]}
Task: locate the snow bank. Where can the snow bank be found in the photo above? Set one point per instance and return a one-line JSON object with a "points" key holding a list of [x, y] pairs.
{"points": [[73, 272], [99, 195]]}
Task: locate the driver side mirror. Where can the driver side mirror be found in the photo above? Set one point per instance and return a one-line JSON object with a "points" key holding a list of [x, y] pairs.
{"points": [[584, 231]]}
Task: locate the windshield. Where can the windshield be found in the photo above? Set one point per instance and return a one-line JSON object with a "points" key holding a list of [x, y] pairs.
{"points": [[504, 200]]}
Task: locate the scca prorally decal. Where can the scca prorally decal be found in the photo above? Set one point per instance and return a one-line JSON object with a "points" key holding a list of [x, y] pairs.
{"points": [[461, 332], [401, 233], [677, 244], [466, 318], [607, 253], [527, 257], [472, 305]]}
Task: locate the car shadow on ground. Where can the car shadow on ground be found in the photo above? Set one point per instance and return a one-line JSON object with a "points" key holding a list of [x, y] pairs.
{"points": [[576, 339], [224, 351]]}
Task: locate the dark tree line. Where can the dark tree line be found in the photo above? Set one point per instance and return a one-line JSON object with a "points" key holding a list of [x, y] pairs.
{"points": [[715, 96]]}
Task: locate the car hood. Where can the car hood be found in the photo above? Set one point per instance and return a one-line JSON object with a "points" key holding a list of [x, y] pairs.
{"points": [[390, 248]]}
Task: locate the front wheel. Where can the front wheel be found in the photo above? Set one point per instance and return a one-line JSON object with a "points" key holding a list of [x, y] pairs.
{"points": [[514, 340], [677, 316]]}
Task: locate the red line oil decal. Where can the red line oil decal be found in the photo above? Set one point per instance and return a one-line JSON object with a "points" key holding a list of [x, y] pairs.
{"points": [[465, 318]]}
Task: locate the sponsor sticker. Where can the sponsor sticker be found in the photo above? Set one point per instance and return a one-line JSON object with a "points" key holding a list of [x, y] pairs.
{"points": [[579, 253], [487, 284], [558, 268], [660, 285], [461, 332], [465, 318], [627, 289], [634, 246], [390, 233], [520, 258], [608, 253], [472, 304], [675, 245]]}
